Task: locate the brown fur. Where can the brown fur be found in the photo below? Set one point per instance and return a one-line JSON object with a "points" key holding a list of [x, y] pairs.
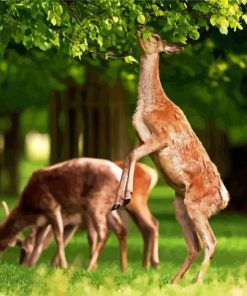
{"points": [[146, 223], [61, 191]]}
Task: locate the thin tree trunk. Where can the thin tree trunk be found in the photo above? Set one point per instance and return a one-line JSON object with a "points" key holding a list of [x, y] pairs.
{"points": [[11, 155]]}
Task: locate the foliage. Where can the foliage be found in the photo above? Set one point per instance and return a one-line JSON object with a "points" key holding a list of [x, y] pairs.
{"points": [[226, 275], [26, 78], [37, 37], [107, 27], [209, 82]]}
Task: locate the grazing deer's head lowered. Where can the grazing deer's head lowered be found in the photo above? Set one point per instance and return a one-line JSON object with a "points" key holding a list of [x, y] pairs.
{"points": [[145, 180], [9, 229], [54, 198]]}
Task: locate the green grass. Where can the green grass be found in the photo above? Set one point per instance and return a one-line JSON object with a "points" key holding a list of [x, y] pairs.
{"points": [[226, 275]]}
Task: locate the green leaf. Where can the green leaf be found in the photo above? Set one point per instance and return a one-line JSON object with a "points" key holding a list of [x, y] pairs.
{"points": [[194, 34], [115, 19], [141, 19], [223, 30], [129, 59], [224, 2], [50, 15], [240, 26], [202, 7], [213, 20], [108, 23], [223, 22], [58, 9], [100, 40], [83, 47], [183, 39], [146, 35], [54, 21], [157, 10], [244, 17]]}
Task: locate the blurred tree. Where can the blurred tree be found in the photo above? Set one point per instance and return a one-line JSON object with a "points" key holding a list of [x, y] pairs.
{"points": [[208, 80], [26, 78]]}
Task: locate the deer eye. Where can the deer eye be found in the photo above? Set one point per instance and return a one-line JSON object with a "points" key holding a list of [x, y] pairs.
{"points": [[157, 38]]}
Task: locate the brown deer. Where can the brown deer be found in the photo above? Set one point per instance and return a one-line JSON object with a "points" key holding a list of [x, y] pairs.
{"points": [[165, 133], [144, 180], [62, 191]]}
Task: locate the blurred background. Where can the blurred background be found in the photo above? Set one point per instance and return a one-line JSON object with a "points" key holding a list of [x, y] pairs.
{"points": [[54, 108]]}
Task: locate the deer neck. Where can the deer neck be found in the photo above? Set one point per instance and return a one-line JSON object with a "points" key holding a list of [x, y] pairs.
{"points": [[150, 91]]}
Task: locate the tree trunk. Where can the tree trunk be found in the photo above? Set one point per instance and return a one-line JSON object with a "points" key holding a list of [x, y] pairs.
{"points": [[11, 152], [89, 121]]}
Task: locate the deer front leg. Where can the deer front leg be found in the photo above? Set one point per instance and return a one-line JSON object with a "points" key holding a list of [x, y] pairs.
{"points": [[153, 144], [38, 246], [56, 221], [116, 224], [27, 247], [122, 185]]}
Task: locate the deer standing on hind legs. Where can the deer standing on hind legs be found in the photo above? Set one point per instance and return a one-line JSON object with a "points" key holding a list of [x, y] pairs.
{"points": [[164, 131]]}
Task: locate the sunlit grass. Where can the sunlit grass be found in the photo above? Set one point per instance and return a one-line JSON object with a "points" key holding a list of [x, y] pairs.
{"points": [[226, 276]]}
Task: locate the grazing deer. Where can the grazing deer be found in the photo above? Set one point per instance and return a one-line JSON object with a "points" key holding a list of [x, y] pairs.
{"points": [[144, 180], [165, 132], [62, 191]]}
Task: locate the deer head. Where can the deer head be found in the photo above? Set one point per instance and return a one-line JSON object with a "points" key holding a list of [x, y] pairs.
{"points": [[156, 45], [8, 242]]}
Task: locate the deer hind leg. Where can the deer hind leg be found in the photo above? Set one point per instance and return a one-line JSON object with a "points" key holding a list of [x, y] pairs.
{"points": [[190, 235], [92, 237], [149, 228], [125, 191], [155, 245], [116, 224], [69, 231], [102, 233], [200, 220]]}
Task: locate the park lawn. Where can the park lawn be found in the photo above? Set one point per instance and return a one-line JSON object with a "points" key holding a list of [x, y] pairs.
{"points": [[226, 276]]}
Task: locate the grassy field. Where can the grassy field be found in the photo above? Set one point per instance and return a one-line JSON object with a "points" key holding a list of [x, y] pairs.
{"points": [[227, 274]]}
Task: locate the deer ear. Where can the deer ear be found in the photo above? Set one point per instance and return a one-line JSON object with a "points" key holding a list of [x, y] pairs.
{"points": [[16, 242], [5, 208], [19, 242]]}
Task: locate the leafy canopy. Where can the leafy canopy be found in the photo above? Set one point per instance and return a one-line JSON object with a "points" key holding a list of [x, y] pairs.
{"points": [[106, 27], [38, 39]]}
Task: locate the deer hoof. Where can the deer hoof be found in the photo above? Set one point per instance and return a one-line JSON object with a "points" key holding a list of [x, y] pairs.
{"points": [[155, 265], [115, 207], [126, 201]]}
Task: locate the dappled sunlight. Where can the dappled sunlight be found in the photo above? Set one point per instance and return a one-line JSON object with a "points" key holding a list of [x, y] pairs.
{"points": [[37, 146]]}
